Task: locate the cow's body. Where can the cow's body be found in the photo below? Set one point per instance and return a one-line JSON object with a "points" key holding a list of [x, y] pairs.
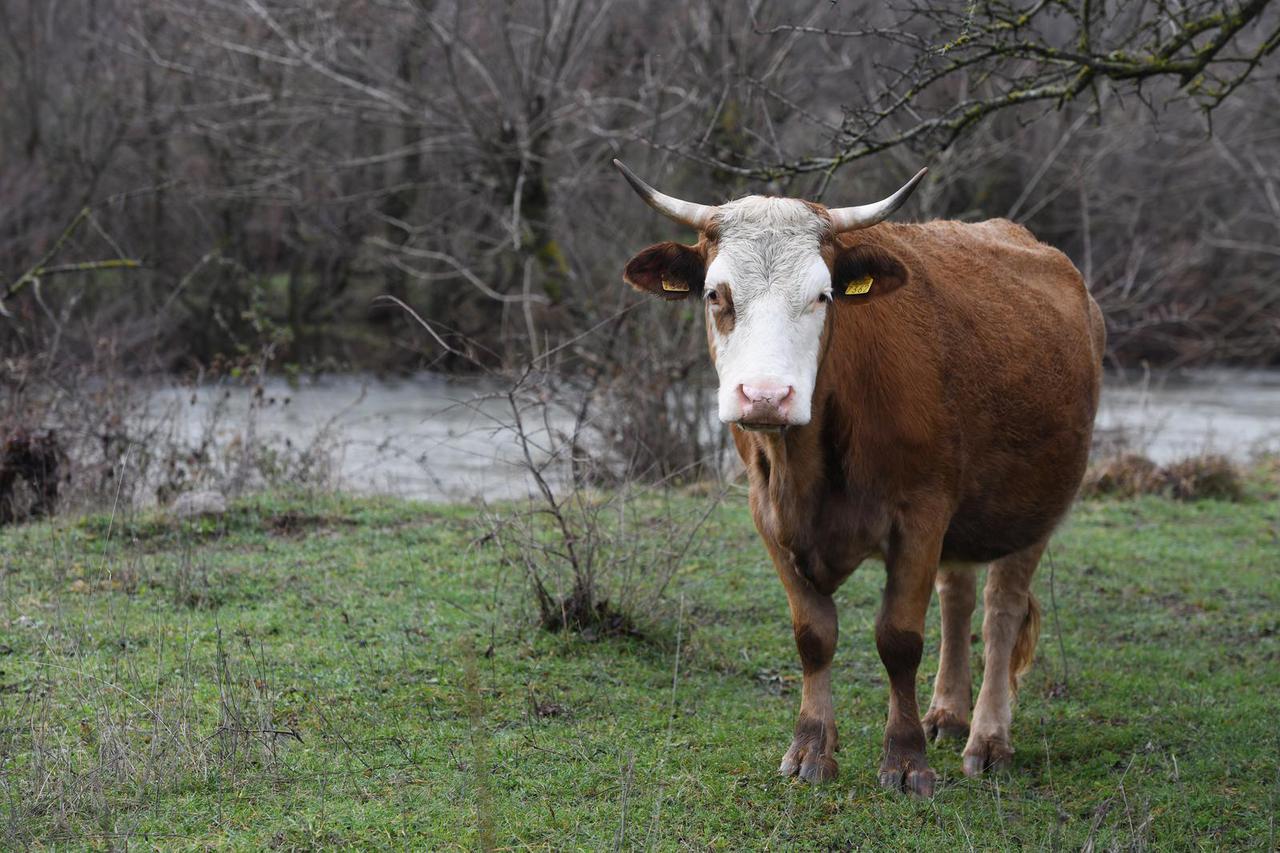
{"points": [[973, 389], [923, 393]]}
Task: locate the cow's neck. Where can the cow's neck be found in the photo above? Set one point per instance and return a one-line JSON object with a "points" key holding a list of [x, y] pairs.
{"points": [[789, 463], [864, 432]]}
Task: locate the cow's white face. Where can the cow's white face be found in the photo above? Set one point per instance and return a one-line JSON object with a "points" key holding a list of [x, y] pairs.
{"points": [[767, 270], [766, 294]]}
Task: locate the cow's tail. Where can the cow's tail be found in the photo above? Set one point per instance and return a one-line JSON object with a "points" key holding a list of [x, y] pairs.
{"points": [[1024, 648]]}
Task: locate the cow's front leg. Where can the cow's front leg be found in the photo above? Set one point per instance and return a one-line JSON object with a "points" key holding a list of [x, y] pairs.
{"points": [[813, 621], [912, 563]]}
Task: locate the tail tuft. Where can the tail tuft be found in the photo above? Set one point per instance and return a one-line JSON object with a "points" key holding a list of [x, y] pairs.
{"points": [[1024, 648]]}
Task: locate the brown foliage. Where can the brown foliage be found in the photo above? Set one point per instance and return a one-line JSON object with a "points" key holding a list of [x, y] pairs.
{"points": [[1207, 477], [32, 459]]}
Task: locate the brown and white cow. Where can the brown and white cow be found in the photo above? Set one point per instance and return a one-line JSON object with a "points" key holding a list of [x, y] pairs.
{"points": [[922, 393]]}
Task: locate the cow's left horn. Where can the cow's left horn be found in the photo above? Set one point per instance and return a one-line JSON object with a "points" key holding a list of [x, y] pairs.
{"points": [[685, 212], [866, 215]]}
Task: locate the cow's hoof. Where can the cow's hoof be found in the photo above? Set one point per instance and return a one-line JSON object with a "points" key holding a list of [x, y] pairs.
{"points": [[809, 756], [941, 725], [986, 753], [908, 773]]}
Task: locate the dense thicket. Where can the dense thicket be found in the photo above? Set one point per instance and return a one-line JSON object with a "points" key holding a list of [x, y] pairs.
{"points": [[274, 165]]}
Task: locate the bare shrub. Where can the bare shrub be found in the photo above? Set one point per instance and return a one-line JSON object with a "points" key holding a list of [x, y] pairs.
{"points": [[296, 159], [1205, 477], [100, 436], [29, 473], [651, 412], [459, 163], [578, 547], [1210, 477], [1124, 476], [192, 585]]}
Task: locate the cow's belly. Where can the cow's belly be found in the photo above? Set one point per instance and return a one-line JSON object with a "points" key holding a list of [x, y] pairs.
{"points": [[981, 533], [1013, 499], [1021, 445]]}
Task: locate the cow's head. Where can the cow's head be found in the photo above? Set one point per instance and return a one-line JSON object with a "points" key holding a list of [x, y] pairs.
{"points": [[767, 270]]}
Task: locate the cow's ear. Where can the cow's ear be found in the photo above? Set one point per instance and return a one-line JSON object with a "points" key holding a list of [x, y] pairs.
{"points": [[670, 270], [863, 273]]}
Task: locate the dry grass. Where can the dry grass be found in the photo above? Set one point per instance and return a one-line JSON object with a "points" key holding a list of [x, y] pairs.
{"points": [[1209, 477], [1129, 475]]}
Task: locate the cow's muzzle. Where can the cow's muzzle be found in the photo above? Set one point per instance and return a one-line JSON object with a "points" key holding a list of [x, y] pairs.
{"points": [[764, 405]]}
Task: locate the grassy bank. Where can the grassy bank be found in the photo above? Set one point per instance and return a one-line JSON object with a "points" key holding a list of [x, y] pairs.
{"points": [[334, 671]]}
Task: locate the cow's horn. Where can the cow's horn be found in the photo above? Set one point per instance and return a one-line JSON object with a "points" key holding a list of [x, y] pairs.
{"points": [[866, 215], [684, 212]]}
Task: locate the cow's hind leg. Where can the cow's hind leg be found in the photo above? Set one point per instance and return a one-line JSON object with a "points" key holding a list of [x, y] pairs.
{"points": [[811, 755], [948, 715], [1010, 629]]}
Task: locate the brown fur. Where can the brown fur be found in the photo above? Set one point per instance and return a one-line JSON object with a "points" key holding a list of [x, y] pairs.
{"points": [[952, 703], [681, 268], [958, 408], [724, 316], [974, 388]]}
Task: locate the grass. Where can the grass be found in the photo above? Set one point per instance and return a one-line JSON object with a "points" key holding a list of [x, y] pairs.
{"points": [[330, 671]]}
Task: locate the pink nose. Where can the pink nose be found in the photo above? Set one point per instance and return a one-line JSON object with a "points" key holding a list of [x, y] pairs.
{"points": [[765, 403]]}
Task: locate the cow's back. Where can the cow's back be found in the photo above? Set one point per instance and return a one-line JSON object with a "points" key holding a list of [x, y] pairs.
{"points": [[1004, 332]]}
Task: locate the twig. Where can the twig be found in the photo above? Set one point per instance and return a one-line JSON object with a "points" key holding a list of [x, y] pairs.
{"points": [[42, 268]]}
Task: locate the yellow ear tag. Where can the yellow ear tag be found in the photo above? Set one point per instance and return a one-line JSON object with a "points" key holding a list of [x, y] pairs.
{"points": [[675, 286], [859, 287]]}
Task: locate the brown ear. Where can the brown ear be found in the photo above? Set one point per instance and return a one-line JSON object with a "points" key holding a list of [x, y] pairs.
{"points": [[863, 273], [670, 270]]}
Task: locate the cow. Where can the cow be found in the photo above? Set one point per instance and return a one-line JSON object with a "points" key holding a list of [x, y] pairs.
{"points": [[923, 394]]}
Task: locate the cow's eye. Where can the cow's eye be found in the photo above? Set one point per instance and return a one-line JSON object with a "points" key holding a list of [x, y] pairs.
{"points": [[824, 298], [713, 298]]}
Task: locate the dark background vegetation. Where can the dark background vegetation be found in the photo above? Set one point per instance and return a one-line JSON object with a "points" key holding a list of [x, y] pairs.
{"points": [[205, 187], [273, 165]]}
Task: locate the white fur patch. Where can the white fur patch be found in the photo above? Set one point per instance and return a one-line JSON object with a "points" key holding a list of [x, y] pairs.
{"points": [[769, 255]]}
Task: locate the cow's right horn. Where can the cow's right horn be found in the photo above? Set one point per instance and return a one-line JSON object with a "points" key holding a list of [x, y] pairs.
{"points": [[685, 212]]}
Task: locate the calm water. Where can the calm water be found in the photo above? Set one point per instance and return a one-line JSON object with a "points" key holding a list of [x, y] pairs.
{"points": [[439, 439]]}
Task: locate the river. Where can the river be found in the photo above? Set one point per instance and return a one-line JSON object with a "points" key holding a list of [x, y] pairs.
{"points": [[437, 438]]}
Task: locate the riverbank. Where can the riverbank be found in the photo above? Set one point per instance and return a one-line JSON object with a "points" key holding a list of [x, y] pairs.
{"points": [[344, 671]]}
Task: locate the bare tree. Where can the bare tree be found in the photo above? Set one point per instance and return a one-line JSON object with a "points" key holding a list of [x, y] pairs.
{"points": [[938, 69], [274, 165]]}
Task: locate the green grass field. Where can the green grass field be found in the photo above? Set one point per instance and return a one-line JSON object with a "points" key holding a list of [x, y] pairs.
{"points": [[362, 672]]}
